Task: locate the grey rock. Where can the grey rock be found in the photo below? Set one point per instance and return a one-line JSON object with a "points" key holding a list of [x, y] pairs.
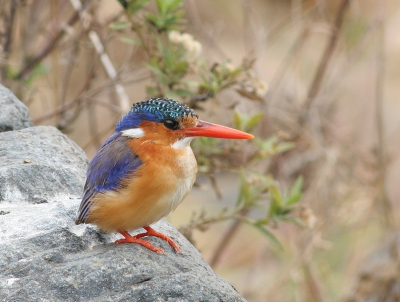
{"points": [[40, 164], [45, 257], [14, 114]]}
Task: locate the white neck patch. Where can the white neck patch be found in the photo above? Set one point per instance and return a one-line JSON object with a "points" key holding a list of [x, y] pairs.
{"points": [[133, 132], [182, 143]]}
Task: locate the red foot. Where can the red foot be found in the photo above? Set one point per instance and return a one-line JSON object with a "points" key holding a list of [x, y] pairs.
{"points": [[134, 239], [152, 232]]}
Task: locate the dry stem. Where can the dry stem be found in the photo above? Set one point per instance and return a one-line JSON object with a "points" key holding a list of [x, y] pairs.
{"points": [[327, 55]]}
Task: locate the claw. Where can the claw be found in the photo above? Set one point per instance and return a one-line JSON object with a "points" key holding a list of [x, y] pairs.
{"points": [[133, 239], [151, 232]]}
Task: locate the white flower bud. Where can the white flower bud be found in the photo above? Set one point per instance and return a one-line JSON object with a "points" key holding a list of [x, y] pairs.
{"points": [[196, 49], [260, 88], [307, 217], [175, 36], [186, 38], [230, 67]]}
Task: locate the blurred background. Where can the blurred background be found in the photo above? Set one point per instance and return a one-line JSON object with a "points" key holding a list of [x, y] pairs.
{"points": [[308, 211]]}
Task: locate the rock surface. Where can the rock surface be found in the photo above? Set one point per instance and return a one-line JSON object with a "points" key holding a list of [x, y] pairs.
{"points": [[40, 164], [44, 256], [13, 113]]}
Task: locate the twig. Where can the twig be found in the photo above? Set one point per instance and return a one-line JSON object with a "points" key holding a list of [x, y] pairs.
{"points": [[214, 185], [8, 31], [277, 28], [313, 288], [105, 60], [327, 55], [86, 86], [381, 152], [67, 77], [57, 111], [354, 55], [226, 239], [112, 73], [202, 28], [83, 93], [63, 107], [109, 106], [101, 133], [87, 95], [25, 71], [278, 77], [93, 125]]}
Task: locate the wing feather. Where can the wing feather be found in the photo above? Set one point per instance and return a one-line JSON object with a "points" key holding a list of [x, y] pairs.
{"points": [[113, 162]]}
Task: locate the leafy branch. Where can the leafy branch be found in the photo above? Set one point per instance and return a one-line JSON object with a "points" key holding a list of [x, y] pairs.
{"points": [[173, 56], [256, 192]]}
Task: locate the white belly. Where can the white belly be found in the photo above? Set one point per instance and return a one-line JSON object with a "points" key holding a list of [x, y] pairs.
{"points": [[185, 169]]}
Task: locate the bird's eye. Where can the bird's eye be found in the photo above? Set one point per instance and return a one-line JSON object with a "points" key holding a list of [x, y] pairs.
{"points": [[171, 124]]}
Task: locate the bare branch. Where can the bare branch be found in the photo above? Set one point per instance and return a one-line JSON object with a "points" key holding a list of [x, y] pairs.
{"points": [[327, 55], [8, 30], [105, 60], [226, 239], [379, 99], [26, 70]]}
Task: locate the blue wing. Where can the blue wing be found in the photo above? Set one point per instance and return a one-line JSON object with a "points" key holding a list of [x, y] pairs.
{"points": [[112, 163]]}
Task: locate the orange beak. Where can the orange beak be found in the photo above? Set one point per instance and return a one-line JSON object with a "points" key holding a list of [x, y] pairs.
{"points": [[213, 130]]}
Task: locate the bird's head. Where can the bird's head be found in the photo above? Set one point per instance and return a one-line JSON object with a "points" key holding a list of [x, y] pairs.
{"points": [[168, 122]]}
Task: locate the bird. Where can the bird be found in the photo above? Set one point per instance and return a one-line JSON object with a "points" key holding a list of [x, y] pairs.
{"points": [[145, 169]]}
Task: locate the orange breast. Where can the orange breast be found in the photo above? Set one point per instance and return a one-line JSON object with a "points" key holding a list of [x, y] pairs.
{"points": [[156, 188]]}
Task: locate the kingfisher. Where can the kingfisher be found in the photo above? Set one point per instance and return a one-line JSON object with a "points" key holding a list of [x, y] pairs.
{"points": [[145, 169]]}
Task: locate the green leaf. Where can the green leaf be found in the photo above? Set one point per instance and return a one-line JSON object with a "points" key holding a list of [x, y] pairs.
{"points": [[11, 73], [242, 184], [297, 186], [132, 6], [168, 16], [284, 146], [152, 18], [183, 92], [165, 7], [266, 145], [119, 25], [151, 91], [39, 70], [292, 220], [258, 206], [171, 94], [263, 221], [268, 234], [130, 40], [272, 146], [284, 212], [162, 77], [246, 122], [180, 67], [253, 121], [161, 6], [204, 168], [295, 192], [191, 83], [237, 120], [293, 199], [175, 4], [276, 201]]}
